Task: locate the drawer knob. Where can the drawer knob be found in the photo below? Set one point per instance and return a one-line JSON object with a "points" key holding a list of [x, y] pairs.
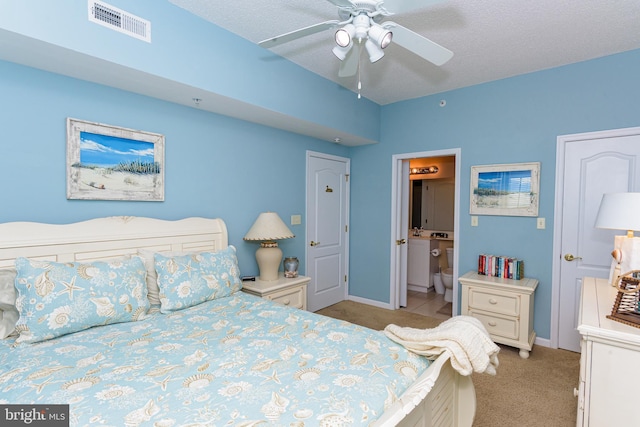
{"points": [[492, 301], [492, 323], [286, 302]]}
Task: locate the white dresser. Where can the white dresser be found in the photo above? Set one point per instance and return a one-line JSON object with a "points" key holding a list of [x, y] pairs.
{"points": [[504, 306], [609, 362]]}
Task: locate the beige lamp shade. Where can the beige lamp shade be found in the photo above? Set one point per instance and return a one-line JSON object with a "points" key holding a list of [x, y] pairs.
{"points": [[268, 228]]}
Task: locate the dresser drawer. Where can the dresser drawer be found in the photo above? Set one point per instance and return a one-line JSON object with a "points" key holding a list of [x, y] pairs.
{"points": [[503, 303], [294, 297], [506, 327]]}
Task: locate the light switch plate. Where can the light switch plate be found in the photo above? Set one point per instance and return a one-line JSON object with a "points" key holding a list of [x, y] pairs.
{"points": [[296, 219], [474, 221], [541, 224]]}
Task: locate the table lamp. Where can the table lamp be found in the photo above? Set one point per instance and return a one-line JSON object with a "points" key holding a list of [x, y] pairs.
{"points": [[268, 228], [621, 211]]}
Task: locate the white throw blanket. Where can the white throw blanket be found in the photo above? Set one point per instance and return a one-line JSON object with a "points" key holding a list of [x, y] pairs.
{"points": [[463, 337]]}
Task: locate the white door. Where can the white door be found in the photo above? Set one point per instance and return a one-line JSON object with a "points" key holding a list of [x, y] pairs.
{"points": [[327, 232], [589, 165]]}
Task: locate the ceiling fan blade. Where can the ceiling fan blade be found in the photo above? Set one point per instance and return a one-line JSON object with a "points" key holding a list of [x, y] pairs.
{"points": [[349, 66], [342, 3], [421, 46], [401, 6], [302, 32]]}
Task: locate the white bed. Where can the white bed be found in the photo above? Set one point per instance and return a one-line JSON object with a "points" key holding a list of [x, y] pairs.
{"points": [[438, 396]]}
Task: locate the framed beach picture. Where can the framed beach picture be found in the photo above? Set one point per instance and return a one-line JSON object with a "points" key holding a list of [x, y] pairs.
{"points": [[112, 163], [508, 189]]}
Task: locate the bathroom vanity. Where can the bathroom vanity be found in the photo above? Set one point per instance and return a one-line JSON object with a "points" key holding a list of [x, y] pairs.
{"points": [[420, 263]]}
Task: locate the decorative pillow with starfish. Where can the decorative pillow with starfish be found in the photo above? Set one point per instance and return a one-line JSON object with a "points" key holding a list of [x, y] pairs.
{"points": [[56, 299]]}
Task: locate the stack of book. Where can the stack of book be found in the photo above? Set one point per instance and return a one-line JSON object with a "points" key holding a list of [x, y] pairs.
{"points": [[501, 266]]}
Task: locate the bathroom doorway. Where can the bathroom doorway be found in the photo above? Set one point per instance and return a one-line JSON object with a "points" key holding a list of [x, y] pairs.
{"points": [[430, 243], [436, 174]]}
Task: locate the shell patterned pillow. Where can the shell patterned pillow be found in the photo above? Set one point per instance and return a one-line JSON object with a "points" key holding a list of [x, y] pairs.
{"points": [[56, 299]]}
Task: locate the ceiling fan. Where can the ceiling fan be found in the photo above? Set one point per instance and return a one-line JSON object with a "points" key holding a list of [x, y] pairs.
{"points": [[362, 24]]}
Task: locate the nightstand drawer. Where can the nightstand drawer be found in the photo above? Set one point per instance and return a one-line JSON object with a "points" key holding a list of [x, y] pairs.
{"points": [[503, 303], [505, 327], [294, 297], [285, 291]]}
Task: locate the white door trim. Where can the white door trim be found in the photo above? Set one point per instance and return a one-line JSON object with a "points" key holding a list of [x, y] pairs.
{"points": [[562, 142], [396, 210]]}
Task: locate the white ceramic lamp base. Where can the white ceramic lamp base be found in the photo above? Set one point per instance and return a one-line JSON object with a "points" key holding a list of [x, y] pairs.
{"points": [[269, 256]]}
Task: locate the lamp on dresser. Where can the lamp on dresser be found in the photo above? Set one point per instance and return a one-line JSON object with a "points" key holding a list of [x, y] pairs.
{"points": [[268, 228], [621, 211]]}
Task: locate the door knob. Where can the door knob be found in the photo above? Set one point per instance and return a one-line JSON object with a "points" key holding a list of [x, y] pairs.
{"points": [[314, 243], [401, 242], [570, 257]]}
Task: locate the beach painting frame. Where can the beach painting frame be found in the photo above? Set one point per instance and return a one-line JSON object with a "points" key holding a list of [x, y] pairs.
{"points": [[112, 163], [507, 189]]}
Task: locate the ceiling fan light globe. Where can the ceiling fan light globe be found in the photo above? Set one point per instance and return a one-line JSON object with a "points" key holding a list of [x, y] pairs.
{"points": [[386, 39], [344, 35], [380, 36], [342, 38]]}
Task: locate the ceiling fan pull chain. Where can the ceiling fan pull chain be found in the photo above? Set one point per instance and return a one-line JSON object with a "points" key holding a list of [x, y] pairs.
{"points": [[359, 81]]}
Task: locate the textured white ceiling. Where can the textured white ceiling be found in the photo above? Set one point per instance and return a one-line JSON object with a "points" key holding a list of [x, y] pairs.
{"points": [[491, 39]]}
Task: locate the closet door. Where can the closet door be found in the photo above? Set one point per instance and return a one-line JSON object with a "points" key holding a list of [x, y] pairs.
{"points": [[590, 165]]}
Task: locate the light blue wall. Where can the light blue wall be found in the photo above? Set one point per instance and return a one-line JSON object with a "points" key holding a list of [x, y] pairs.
{"points": [[507, 121], [214, 166], [512, 120], [192, 51]]}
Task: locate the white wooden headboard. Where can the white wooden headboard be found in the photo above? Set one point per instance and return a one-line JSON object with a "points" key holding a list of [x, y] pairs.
{"points": [[108, 237]]}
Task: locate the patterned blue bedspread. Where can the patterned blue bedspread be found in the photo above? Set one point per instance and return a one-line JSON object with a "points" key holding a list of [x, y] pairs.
{"points": [[235, 361]]}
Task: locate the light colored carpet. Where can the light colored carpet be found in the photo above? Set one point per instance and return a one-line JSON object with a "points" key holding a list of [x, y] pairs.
{"points": [[526, 392]]}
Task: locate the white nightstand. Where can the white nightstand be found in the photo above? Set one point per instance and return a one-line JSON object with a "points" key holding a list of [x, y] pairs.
{"points": [[504, 306], [291, 292]]}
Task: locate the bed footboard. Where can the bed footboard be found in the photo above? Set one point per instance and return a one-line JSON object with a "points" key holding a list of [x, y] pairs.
{"points": [[451, 402]]}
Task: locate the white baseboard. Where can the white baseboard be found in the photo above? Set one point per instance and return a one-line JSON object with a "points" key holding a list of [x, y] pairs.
{"points": [[423, 289], [543, 342]]}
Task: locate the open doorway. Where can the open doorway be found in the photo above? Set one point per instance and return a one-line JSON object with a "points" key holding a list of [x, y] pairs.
{"points": [[430, 241], [425, 217]]}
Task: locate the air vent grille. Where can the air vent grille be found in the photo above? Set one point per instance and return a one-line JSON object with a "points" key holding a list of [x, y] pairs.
{"points": [[119, 20]]}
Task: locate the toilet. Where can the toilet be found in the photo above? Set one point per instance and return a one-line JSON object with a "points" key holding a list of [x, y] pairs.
{"points": [[437, 283], [447, 277]]}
